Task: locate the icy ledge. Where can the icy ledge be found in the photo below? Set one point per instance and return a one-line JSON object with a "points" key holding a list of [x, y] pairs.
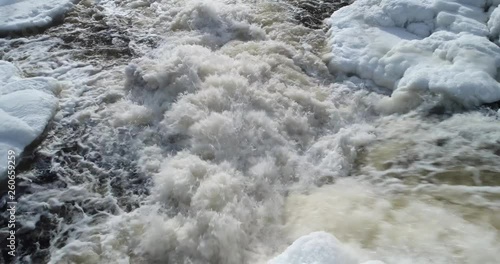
{"points": [[318, 248], [26, 106], [19, 15], [418, 47]]}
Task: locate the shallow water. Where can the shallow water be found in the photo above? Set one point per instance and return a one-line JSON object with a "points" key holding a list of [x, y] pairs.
{"points": [[212, 132]]}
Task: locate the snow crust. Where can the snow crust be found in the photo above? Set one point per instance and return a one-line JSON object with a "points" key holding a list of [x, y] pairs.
{"points": [[26, 106], [318, 248], [18, 15], [419, 47]]}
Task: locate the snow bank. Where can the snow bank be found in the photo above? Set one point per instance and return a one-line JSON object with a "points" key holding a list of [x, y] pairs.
{"points": [[26, 106], [18, 15], [317, 248], [416, 47]]}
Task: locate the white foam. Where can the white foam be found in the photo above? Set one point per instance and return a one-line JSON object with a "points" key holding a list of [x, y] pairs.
{"points": [[244, 115], [26, 106], [419, 47], [18, 15]]}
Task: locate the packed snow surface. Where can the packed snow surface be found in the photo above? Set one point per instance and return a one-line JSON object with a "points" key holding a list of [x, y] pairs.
{"points": [[26, 106], [17, 15], [414, 47]]}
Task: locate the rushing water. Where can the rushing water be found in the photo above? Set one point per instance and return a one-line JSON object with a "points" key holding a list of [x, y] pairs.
{"points": [[213, 132]]}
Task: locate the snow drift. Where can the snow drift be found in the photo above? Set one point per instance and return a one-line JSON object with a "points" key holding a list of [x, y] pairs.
{"points": [[26, 106], [19, 15], [443, 47], [318, 248]]}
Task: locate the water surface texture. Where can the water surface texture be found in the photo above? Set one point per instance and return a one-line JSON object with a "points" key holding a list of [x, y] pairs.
{"points": [[214, 132]]}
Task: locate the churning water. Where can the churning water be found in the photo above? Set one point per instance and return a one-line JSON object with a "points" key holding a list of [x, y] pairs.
{"points": [[213, 132]]}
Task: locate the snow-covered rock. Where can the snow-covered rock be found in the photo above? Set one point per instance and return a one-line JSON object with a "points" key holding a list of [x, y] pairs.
{"points": [[26, 106], [318, 248], [17, 15], [414, 47]]}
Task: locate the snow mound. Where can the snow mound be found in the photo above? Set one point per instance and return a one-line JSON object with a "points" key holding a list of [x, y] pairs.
{"points": [[317, 248], [18, 15], [26, 106], [417, 47]]}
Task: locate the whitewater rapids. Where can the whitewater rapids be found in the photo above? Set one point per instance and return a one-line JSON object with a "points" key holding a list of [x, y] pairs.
{"points": [[214, 132]]}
